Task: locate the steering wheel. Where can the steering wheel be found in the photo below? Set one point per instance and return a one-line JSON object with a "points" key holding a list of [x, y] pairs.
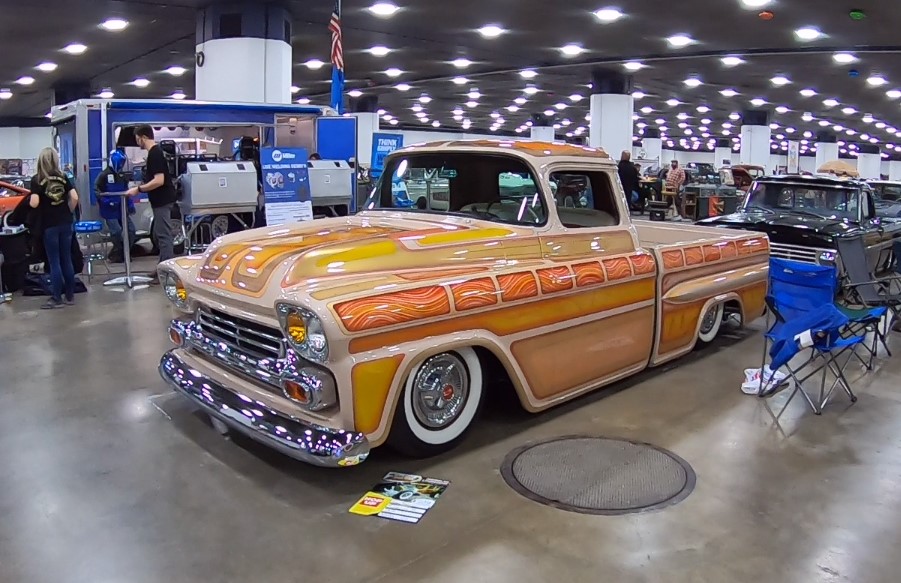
{"points": [[532, 214]]}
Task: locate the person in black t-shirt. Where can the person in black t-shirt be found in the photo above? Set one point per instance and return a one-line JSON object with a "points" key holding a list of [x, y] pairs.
{"points": [[160, 190], [55, 200]]}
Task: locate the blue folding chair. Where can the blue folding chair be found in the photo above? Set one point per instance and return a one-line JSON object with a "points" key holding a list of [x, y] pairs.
{"points": [[801, 298]]}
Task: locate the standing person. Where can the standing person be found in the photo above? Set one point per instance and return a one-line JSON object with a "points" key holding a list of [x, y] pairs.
{"points": [[160, 190], [675, 178], [54, 199], [111, 206], [628, 176]]}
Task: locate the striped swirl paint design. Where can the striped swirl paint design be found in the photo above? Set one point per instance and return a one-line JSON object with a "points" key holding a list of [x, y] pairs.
{"points": [[394, 308], [590, 273], [517, 286], [618, 268], [555, 279], [476, 293], [673, 259], [642, 264]]}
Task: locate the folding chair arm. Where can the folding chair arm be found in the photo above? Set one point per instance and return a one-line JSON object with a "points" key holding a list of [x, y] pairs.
{"points": [[882, 282]]}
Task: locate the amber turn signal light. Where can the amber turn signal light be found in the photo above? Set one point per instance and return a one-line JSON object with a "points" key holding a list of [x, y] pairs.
{"points": [[294, 391], [175, 337], [296, 328]]}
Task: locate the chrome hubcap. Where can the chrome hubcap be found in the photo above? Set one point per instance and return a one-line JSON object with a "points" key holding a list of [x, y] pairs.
{"points": [[440, 390], [709, 320]]}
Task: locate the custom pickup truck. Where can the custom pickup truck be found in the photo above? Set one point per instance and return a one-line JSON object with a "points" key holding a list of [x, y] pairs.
{"points": [[326, 338]]}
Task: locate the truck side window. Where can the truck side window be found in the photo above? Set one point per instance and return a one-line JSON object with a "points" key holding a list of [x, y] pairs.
{"points": [[585, 199]]}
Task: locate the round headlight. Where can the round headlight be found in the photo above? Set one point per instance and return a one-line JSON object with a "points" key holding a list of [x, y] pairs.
{"points": [[174, 289], [304, 332]]}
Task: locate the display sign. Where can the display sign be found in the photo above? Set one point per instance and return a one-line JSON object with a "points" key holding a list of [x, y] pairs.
{"points": [[286, 185], [794, 157], [382, 145], [401, 497]]}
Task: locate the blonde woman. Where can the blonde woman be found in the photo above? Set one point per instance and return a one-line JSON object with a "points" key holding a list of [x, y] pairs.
{"points": [[55, 199]]}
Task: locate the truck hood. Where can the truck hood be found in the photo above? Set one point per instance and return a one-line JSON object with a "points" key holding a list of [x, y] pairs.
{"points": [[788, 228], [344, 252]]}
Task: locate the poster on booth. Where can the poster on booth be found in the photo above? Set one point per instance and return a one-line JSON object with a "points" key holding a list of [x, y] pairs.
{"points": [[382, 145], [286, 185], [794, 157], [401, 497]]}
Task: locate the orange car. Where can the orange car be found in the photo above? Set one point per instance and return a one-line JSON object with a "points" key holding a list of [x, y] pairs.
{"points": [[11, 194], [325, 338]]}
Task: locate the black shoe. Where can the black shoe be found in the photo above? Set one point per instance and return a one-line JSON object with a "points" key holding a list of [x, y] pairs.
{"points": [[52, 304]]}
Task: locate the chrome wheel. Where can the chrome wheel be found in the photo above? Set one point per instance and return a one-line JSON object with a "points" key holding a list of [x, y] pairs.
{"points": [[709, 320], [711, 323], [219, 226], [440, 390]]}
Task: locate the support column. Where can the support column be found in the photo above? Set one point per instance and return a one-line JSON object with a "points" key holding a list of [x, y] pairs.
{"points": [[794, 157], [755, 138], [243, 53], [722, 153], [542, 128], [367, 125], [652, 145], [869, 162], [894, 170], [611, 107], [827, 147]]}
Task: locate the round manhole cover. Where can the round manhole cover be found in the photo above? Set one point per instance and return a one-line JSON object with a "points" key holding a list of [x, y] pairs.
{"points": [[596, 475]]}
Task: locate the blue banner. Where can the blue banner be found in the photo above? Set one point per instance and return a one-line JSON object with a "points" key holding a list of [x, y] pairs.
{"points": [[382, 145], [286, 185]]}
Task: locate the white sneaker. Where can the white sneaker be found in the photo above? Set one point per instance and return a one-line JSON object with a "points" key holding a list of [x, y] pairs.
{"points": [[771, 379]]}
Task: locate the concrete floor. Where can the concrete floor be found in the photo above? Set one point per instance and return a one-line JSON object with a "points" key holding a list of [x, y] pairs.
{"points": [[108, 477]]}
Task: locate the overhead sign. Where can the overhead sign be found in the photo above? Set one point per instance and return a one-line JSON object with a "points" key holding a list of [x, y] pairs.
{"points": [[286, 185], [382, 145]]}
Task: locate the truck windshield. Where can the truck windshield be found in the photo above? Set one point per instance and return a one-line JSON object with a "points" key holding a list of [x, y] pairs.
{"points": [[820, 200], [489, 187]]}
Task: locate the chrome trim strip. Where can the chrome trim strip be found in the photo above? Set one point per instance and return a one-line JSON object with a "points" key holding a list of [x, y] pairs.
{"points": [[298, 439], [209, 314]]}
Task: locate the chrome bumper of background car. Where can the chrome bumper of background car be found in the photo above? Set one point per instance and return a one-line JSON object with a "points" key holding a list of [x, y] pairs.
{"points": [[307, 442]]}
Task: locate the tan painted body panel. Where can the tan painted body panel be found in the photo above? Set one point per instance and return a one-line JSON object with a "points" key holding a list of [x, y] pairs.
{"points": [[564, 310]]}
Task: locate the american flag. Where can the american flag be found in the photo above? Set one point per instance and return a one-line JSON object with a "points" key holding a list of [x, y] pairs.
{"points": [[334, 26]]}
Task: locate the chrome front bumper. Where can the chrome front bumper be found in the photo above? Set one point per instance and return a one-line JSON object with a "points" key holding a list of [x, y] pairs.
{"points": [[301, 440]]}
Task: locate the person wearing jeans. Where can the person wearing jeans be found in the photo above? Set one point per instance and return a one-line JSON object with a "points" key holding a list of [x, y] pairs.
{"points": [[160, 190], [54, 198]]}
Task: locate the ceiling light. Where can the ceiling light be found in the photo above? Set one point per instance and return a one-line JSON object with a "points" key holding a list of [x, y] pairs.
{"points": [[472, 104], [295, 89], [824, 123], [728, 92], [461, 63], [849, 111], [790, 130], [314, 64], [394, 122], [758, 102], [25, 80], [868, 118], [572, 50], [807, 116], [46, 67], [734, 116], [140, 82], [106, 94], [424, 98], [5, 94], [474, 94], [530, 90], [575, 98], [560, 106], [520, 100], [781, 109], [673, 102], [727, 125], [755, 3], [634, 65], [808, 33], [638, 95], [682, 116], [808, 92], [176, 71], [466, 124], [659, 121], [402, 87], [178, 94], [693, 82], [491, 31], [460, 80], [378, 51], [703, 109], [680, 40], [416, 107], [864, 137], [114, 24], [808, 134], [830, 102], [354, 93], [774, 126], [876, 81], [647, 110], [893, 94], [549, 112], [880, 125], [393, 72], [732, 61], [528, 74], [75, 48], [512, 108], [706, 121], [608, 14], [844, 58], [436, 124], [304, 101], [838, 128], [424, 119], [495, 115], [383, 9], [780, 80]]}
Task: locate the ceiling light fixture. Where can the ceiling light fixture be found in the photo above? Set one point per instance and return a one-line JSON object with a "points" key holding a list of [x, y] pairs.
{"points": [[25, 80], [178, 94], [781, 109], [46, 67], [607, 15], [140, 82], [780, 80], [460, 80], [106, 94], [868, 118], [424, 98], [378, 51], [634, 65], [893, 94], [314, 64], [732, 61], [393, 72], [512, 108], [693, 82], [844, 58], [830, 102], [295, 89], [75, 48], [114, 24], [849, 111], [530, 90], [304, 101], [5, 94], [755, 3], [520, 101], [472, 104], [680, 40], [638, 95], [383, 9], [728, 92], [808, 92], [560, 106], [461, 63], [646, 110], [572, 50], [491, 31], [402, 87], [673, 102], [876, 81], [176, 71], [576, 98], [758, 102], [474, 94], [354, 93], [528, 74], [702, 109], [808, 33]]}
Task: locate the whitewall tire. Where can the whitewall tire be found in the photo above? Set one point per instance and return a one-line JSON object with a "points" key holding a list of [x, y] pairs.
{"points": [[711, 322], [441, 397]]}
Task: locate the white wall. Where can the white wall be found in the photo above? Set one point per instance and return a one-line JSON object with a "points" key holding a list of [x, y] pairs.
{"points": [[420, 136], [24, 143]]}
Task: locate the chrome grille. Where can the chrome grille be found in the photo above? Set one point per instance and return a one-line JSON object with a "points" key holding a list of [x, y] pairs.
{"points": [[798, 252], [243, 336]]}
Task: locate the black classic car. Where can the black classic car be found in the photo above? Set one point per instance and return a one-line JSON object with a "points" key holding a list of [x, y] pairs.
{"points": [[888, 197], [802, 215]]}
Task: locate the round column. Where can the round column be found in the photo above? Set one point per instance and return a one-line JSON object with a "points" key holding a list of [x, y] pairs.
{"points": [[611, 108], [652, 145], [827, 148], [542, 128], [755, 138], [869, 161], [243, 53]]}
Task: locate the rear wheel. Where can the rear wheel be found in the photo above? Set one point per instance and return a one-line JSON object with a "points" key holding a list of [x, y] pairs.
{"points": [[440, 400], [711, 322]]}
